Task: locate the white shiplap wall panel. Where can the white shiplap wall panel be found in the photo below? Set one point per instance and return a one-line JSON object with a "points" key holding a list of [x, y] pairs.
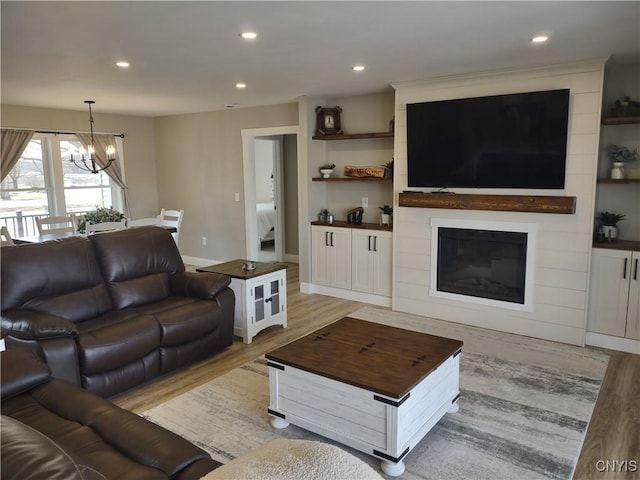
{"points": [[563, 241]]}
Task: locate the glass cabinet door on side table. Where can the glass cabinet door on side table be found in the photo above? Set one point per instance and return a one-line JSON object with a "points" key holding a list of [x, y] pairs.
{"points": [[266, 302]]}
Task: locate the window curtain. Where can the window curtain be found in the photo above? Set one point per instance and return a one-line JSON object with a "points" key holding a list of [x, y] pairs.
{"points": [[13, 143], [114, 171]]}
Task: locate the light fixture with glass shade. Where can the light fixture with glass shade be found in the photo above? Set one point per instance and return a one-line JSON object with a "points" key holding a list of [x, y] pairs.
{"points": [[89, 163]]}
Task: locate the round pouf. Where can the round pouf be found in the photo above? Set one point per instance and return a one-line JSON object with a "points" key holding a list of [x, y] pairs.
{"points": [[285, 459]]}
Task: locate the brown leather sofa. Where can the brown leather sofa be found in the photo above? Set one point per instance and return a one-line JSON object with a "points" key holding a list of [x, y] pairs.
{"points": [[113, 310], [53, 430]]}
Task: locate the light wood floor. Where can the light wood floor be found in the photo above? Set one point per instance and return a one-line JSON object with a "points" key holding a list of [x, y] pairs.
{"points": [[614, 431]]}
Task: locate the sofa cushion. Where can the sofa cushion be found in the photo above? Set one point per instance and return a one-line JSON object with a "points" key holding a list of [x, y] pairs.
{"points": [[182, 319], [128, 256], [38, 273], [116, 339], [29, 455]]}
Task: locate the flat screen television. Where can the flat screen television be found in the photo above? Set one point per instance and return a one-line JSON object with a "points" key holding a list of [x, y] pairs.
{"points": [[503, 141]]}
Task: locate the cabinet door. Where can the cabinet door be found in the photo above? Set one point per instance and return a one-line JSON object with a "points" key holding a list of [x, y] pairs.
{"points": [[609, 291], [371, 256], [331, 256], [382, 254], [268, 298], [633, 309], [362, 262]]}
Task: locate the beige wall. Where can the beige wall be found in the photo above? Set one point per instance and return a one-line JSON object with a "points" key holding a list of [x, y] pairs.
{"points": [[199, 160], [140, 166]]}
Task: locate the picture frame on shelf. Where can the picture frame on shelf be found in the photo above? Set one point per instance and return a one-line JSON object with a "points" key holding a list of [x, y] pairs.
{"points": [[328, 121]]}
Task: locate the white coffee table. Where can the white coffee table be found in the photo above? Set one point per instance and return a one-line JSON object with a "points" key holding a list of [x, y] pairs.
{"points": [[375, 388]]}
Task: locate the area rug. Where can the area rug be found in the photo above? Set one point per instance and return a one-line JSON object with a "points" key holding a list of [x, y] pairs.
{"points": [[525, 406]]}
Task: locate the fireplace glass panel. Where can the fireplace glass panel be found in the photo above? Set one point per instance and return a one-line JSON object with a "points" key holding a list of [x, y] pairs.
{"points": [[482, 263]]}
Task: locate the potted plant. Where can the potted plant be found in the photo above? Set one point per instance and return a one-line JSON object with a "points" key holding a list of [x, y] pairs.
{"points": [[619, 155], [385, 216], [389, 167], [327, 169], [99, 215], [609, 224], [325, 216]]}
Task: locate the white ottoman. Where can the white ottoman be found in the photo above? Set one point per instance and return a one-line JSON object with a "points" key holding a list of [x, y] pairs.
{"points": [[284, 459]]}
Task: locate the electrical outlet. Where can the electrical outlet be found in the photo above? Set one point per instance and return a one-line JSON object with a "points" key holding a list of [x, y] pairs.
{"points": [[237, 196], [204, 240], [365, 202]]}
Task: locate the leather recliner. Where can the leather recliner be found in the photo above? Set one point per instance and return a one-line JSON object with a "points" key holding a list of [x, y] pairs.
{"points": [[53, 430], [113, 310]]}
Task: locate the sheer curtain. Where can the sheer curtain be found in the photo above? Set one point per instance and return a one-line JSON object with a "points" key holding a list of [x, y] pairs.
{"points": [[114, 171], [13, 143]]}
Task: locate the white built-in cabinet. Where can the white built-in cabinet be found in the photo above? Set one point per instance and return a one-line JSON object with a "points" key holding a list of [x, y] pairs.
{"points": [[371, 261], [352, 259], [614, 293]]}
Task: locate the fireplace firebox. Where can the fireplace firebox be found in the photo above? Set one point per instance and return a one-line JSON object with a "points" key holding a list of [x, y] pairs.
{"points": [[487, 264]]}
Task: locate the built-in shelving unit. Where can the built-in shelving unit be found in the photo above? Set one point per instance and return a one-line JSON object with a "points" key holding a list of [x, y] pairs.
{"points": [[504, 203], [352, 179], [354, 136]]}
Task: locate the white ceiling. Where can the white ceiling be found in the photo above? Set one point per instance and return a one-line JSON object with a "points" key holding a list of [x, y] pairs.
{"points": [[187, 56]]}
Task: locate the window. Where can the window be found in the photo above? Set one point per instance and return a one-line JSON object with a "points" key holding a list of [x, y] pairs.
{"points": [[44, 182]]}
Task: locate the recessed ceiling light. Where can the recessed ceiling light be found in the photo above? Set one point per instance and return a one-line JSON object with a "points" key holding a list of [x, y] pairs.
{"points": [[241, 85], [249, 35], [358, 68], [539, 39], [122, 64]]}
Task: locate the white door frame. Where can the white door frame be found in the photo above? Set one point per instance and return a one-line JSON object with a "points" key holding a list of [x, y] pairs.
{"points": [[248, 165]]}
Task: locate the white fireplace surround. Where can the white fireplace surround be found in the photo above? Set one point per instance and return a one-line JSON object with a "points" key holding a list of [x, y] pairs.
{"points": [[529, 228]]}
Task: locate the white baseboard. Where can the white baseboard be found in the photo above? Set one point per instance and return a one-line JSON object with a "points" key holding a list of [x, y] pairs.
{"points": [[200, 262], [613, 343], [291, 258], [346, 294]]}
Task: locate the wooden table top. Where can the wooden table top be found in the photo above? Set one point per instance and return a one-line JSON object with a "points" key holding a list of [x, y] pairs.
{"points": [[45, 237], [386, 360], [234, 268]]}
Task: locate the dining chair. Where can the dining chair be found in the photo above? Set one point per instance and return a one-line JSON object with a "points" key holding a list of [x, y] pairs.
{"points": [[56, 224], [5, 236], [105, 226], [171, 218]]}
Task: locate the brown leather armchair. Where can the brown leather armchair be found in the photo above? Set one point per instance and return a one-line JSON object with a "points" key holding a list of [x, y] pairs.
{"points": [[52, 430], [113, 310]]}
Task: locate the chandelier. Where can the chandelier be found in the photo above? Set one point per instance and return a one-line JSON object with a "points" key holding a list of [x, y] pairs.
{"points": [[89, 163]]}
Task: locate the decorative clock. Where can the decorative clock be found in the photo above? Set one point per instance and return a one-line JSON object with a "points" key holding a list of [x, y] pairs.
{"points": [[328, 121]]}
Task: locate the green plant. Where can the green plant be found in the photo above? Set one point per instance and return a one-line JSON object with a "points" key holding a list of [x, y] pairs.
{"points": [[99, 215], [328, 166], [610, 219], [620, 153], [324, 211], [386, 209], [389, 167]]}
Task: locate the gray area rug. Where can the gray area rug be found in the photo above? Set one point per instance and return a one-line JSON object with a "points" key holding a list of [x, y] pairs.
{"points": [[525, 406]]}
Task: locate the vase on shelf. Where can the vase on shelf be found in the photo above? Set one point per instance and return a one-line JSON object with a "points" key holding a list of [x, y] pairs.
{"points": [[617, 170], [326, 172]]}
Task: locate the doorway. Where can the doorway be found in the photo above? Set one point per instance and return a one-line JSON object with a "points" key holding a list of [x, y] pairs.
{"points": [[264, 192]]}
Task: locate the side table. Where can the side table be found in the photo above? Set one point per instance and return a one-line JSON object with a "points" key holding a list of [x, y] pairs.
{"points": [[261, 295]]}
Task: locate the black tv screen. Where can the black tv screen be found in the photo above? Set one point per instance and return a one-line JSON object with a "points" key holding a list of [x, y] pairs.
{"points": [[504, 141]]}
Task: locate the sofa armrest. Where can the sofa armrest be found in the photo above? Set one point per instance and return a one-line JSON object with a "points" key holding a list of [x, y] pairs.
{"points": [[30, 325], [20, 371], [201, 285]]}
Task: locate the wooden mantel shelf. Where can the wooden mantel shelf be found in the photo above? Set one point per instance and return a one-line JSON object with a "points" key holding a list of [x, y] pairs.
{"points": [[503, 203]]}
